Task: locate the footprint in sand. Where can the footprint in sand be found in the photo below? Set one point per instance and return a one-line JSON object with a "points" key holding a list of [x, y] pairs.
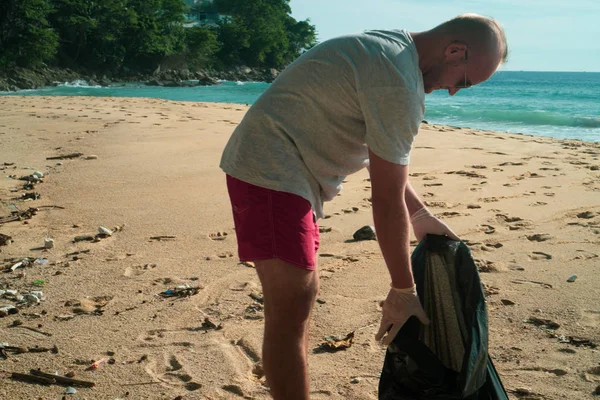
{"points": [[226, 254], [586, 215], [93, 305], [488, 266], [489, 199], [469, 174], [487, 229], [439, 204], [172, 373], [492, 244], [539, 237], [217, 235], [549, 169], [584, 255], [591, 318], [538, 203], [450, 214], [137, 270], [325, 229], [539, 255], [515, 223], [508, 163]]}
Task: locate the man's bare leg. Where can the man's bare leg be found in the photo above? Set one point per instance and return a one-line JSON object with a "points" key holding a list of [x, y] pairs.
{"points": [[289, 293]]}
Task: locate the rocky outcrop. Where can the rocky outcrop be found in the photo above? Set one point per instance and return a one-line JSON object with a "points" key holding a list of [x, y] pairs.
{"points": [[21, 78], [183, 78]]}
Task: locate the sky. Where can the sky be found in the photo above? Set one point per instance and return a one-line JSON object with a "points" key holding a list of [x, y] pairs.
{"points": [[543, 35]]}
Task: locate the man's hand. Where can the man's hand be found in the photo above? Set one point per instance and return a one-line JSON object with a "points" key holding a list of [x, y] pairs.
{"points": [[399, 306], [424, 222]]}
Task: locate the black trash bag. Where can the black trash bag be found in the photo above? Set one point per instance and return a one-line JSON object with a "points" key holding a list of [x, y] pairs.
{"points": [[448, 359]]}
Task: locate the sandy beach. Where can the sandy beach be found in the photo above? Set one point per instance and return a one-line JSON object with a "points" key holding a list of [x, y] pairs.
{"points": [[147, 170]]}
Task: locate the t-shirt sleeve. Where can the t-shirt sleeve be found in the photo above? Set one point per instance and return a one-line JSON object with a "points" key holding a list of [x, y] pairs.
{"points": [[392, 117]]}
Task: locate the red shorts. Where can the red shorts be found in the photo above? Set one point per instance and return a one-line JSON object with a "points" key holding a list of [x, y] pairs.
{"points": [[271, 224]]}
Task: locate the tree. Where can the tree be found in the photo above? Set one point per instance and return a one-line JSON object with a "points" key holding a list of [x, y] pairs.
{"points": [[301, 36], [270, 36], [156, 32], [201, 45], [26, 38]]}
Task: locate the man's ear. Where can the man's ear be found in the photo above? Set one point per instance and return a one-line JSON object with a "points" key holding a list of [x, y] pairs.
{"points": [[455, 52]]}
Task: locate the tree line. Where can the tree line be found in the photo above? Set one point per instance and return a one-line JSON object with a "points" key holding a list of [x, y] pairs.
{"points": [[137, 35]]}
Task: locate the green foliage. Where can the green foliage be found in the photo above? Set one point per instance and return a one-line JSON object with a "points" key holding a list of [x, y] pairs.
{"points": [[158, 29], [262, 33], [26, 38], [109, 35], [201, 45]]}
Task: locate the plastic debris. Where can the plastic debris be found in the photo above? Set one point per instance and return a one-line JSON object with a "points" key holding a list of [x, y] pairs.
{"points": [[180, 291], [105, 231], [21, 264], [97, 364], [336, 343]]}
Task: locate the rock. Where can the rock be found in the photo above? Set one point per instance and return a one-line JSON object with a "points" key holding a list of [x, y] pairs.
{"points": [[367, 232], [31, 298], [572, 278], [48, 243]]}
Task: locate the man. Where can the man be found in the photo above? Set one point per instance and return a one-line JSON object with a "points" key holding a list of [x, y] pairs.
{"points": [[351, 102]]}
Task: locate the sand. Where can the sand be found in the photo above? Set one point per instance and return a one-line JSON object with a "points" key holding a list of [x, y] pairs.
{"points": [[528, 207]]}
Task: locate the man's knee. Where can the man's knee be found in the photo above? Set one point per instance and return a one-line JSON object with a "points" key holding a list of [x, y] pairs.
{"points": [[289, 292]]}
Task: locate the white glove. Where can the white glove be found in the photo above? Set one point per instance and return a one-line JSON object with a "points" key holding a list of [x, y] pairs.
{"points": [[424, 222], [398, 307]]}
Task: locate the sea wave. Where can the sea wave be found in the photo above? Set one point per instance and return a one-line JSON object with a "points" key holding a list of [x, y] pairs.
{"points": [[520, 117], [79, 83]]}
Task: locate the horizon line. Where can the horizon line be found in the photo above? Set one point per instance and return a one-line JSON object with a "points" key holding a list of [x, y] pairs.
{"points": [[534, 70]]}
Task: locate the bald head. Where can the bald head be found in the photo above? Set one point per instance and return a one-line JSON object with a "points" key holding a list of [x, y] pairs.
{"points": [[484, 35], [460, 53]]}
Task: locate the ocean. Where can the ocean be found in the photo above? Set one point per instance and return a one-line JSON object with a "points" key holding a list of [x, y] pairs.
{"points": [[563, 105]]}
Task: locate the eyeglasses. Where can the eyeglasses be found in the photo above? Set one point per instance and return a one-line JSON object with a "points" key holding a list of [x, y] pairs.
{"points": [[466, 84]]}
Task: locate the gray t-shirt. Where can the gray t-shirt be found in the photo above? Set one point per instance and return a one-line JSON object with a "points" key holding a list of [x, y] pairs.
{"points": [[316, 122]]}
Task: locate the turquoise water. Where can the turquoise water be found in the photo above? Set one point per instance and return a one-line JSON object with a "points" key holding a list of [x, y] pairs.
{"points": [[555, 104]]}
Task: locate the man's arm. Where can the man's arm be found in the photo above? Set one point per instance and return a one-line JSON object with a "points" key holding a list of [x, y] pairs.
{"points": [[389, 184], [413, 202]]}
